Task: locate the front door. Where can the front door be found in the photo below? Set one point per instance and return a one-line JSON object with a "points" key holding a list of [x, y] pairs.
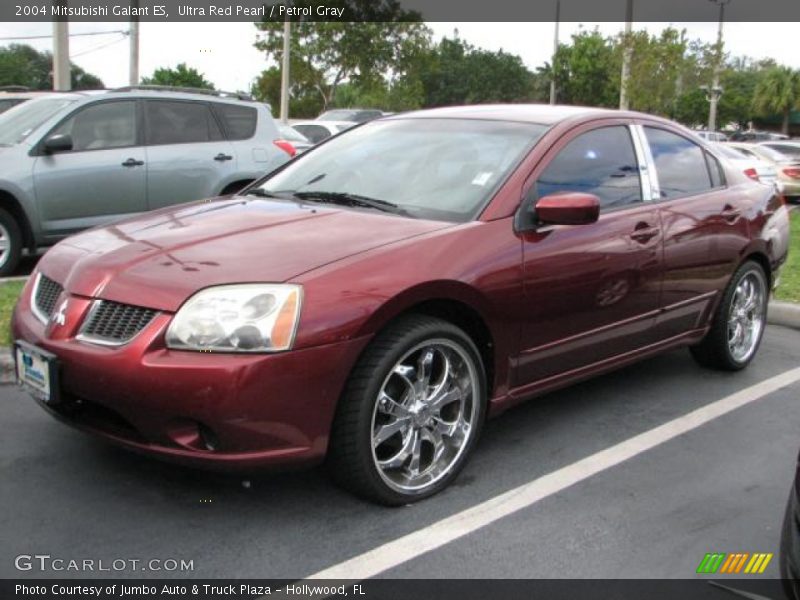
{"points": [[101, 179], [592, 291]]}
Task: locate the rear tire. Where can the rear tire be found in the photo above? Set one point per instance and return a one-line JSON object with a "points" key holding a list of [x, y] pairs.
{"points": [[411, 412], [738, 322], [10, 243]]}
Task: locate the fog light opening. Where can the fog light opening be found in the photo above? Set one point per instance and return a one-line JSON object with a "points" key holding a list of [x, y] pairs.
{"points": [[208, 438]]}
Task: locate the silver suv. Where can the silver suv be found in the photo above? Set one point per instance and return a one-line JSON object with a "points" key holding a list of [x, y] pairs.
{"points": [[76, 160]]}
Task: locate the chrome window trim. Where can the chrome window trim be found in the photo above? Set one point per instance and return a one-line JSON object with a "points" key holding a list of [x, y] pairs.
{"points": [[648, 175], [101, 341]]}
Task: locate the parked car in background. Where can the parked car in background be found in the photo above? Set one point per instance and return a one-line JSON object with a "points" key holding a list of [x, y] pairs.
{"points": [[756, 136], [72, 161], [298, 141], [711, 136], [787, 168], [353, 115], [789, 148], [11, 96], [755, 168], [317, 131], [790, 541], [370, 303]]}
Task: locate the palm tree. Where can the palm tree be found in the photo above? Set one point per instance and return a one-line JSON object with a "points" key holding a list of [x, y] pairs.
{"points": [[778, 91]]}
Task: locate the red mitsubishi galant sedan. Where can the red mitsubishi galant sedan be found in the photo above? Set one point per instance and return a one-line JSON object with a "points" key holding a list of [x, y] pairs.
{"points": [[370, 302]]}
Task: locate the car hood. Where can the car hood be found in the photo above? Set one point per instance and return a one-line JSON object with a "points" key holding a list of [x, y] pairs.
{"points": [[159, 259]]}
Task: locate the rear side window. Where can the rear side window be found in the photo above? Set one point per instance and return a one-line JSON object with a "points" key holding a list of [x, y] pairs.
{"points": [[239, 121], [101, 126], [601, 162], [680, 164], [170, 122]]}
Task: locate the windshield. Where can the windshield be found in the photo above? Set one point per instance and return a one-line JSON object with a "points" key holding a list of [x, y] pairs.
{"points": [[290, 133], [19, 122], [444, 169]]}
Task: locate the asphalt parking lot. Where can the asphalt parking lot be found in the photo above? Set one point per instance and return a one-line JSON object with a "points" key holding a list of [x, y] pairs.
{"points": [[720, 487]]}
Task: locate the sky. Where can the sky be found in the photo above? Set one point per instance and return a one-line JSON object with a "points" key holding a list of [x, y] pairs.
{"points": [[224, 52]]}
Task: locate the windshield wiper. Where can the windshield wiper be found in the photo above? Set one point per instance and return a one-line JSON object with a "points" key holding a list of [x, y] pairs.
{"points": [[262, 193], [348, 199]]}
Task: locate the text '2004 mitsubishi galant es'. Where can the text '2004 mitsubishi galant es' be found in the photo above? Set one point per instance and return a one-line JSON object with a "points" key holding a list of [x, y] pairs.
{"points": [[372, 301]]}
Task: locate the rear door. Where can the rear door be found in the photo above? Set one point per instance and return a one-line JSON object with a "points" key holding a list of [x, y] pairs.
{"points": [[187, 155], [591, 291], [704, 229], [101, 179]]}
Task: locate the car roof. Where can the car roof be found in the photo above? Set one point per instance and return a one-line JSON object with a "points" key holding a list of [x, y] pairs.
{"points": [[544, 114], [41, 94]]}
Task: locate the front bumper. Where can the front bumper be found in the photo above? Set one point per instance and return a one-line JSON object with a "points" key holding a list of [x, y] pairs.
{"points": [[214, 410], [790, 543]]}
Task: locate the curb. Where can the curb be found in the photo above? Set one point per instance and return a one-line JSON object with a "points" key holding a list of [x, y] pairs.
{"points": [[785, 314]]}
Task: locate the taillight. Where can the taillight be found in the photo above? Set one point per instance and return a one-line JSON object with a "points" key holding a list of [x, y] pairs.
{"points": [[793, 172], [752, 174], [286, 147]]}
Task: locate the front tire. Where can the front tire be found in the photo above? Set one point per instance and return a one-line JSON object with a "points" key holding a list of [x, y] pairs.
{"points": [[10, 243], [410, 414], [738, 323]]}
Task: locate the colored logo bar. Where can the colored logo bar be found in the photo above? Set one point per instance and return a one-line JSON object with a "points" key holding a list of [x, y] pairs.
{"points": [[737, 562]]}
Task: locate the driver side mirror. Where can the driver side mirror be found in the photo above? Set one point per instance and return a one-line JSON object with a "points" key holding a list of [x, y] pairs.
{"points": [[60, 142], [571, 208]]}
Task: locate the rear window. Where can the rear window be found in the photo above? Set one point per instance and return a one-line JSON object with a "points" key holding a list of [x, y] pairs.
{"points": [[239, 121]]}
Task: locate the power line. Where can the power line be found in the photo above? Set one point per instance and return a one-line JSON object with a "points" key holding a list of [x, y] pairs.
{"points": [[100, 47], [44, 37]]}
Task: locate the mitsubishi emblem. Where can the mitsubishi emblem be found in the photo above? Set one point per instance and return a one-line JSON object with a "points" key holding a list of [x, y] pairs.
{"points": [[59, 317]]}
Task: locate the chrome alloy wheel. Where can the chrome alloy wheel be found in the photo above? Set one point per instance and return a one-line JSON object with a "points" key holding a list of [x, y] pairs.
{"points": [[5, 245], [746, 316], [425, 414]]}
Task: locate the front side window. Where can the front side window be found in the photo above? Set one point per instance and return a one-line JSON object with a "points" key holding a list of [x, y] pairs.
{"points": [[101, 126], [600, 162], [444, 169], [171, 122], [680, 164]]}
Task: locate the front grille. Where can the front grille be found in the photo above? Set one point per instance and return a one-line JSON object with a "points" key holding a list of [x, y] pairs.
{"points": [[47, 292], [115, 323]]}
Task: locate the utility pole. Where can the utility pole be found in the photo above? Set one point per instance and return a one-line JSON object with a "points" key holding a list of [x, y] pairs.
{"points": [[62, 78], [555, 52], [133, 62], [627, 53], [716, 91], [287, 36]]}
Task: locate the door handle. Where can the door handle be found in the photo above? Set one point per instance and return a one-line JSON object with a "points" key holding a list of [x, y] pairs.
{"points": [[643, 233], [132, 162], [223, 157], [729, 213]]}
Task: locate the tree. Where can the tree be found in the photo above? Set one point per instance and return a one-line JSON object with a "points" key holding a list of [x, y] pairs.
{"points": [[778, 91], [21, 64], [587, 71], [180, 76], [458, 73], [324, 55]]}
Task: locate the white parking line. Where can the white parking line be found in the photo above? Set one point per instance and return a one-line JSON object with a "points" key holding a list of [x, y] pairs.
{"points": [[412, 545]]}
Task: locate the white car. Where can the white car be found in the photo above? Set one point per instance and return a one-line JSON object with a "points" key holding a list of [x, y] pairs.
{"points": [[317, 131], [752, 166], [711, 136]]}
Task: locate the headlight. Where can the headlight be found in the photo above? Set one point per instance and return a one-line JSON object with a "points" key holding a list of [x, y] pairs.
{"points": [[250, 317]]}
